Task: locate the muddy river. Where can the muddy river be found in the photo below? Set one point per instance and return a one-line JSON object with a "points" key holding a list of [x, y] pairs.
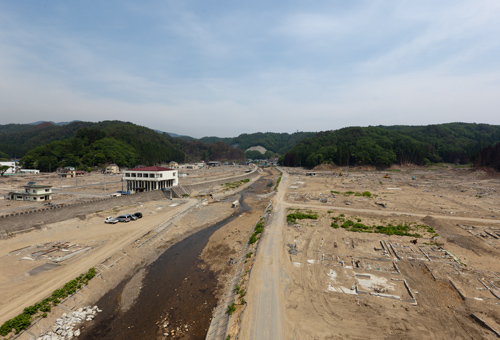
{"points": [[174, 289]]}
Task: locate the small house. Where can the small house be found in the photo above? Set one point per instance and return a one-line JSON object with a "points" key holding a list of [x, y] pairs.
{"points": [[32, 192], [112, 169]]}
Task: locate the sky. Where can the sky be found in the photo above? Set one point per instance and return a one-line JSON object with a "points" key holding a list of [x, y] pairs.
{"points": [[222, 68]]}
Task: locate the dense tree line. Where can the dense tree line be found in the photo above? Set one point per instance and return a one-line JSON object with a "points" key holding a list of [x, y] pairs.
{"points": [[488, 157], [219, 151], [383, 146], [274, 142], [452, 142], [85, 144], [254, 154]]}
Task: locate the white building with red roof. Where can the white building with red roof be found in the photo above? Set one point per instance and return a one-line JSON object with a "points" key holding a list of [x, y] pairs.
{"points": [[150, 178]]}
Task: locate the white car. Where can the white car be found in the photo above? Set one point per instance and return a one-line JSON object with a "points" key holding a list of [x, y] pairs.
{"points": [[110, 219]]}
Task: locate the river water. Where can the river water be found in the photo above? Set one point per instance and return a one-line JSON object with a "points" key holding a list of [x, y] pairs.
{"points": [[174, 288]]}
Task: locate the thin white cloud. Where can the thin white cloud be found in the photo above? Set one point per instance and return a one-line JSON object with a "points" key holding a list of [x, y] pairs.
{"points": [[285, 68]]}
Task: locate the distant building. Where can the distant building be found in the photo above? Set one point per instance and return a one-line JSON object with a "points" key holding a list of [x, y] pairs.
{"points": [[13, 167], [68, 172], [30, 171], [173, 165], [112, 169], [150, 178], [32, 192], [214, 163]]}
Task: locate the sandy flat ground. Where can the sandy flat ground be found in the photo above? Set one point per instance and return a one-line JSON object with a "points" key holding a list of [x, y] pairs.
{"points": [[345, 285], [19, 288], [28, 262]]}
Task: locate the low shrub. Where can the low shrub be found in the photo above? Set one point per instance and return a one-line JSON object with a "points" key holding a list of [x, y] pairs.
{"points": [[231, 308]]}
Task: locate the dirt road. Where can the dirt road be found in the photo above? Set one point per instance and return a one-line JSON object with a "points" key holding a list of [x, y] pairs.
{"points": [[388, 212], [263, 318]]}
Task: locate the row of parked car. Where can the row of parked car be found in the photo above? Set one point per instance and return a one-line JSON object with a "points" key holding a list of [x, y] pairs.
{"points": [[123, 218]]}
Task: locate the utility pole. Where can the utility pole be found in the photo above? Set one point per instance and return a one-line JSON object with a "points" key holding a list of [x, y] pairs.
{"points": [[104, 183]]}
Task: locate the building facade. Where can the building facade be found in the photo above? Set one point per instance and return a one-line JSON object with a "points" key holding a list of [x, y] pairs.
{"points": [[32, 192], [30, 171], [13, 167], [150, 178], [112, 169]]}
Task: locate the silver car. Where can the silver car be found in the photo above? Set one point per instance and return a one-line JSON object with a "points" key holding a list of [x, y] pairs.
{"points": [[111, 220], [123, 218]]}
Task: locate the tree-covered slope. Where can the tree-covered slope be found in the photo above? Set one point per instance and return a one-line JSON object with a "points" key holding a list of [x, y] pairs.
{"points": [[386, 145], [17, 139], [453, 142], [96, 144], [86, 144], [275, 142]]}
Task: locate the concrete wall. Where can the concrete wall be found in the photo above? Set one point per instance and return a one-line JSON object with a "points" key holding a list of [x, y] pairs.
{"points": [[25, 221]]}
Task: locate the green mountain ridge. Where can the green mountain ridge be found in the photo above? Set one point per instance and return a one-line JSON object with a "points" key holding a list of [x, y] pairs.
{"points": [[386, 145], [86, 144]]}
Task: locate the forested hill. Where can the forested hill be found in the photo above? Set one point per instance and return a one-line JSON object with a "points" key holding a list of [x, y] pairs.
{"points": [[386, 145], [85, 144], [275, 142]]}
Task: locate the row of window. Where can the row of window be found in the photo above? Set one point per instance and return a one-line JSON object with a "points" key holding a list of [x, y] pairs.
{"points": [[141, 175]]}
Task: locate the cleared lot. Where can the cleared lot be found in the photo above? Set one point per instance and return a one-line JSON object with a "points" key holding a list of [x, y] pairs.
{"points": [[346, 281]]}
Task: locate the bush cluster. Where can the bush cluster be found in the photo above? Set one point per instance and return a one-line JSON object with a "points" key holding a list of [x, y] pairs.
{"points": [[293, 217], [390, 229], [259, 228]]}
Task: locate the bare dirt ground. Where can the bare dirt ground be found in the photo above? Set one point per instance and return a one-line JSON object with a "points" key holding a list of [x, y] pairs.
{"points": [[95, 185], [30, 274], [340, 284]]}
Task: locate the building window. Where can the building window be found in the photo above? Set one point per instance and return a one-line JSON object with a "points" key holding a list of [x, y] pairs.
{"points": [[173, 173], [127, 175], [139, 175], [151, 175]]}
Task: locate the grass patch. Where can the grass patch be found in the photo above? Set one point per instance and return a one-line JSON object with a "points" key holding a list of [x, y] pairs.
{"points": [[390, 229], [401, 229], [234, 185], [259, 228], [278, 181], [40, 309], [298, 215]]}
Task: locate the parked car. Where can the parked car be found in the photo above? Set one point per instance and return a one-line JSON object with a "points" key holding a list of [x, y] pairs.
{"points": [[132, 217], [110, 219], [123, 218], [138, 214]]}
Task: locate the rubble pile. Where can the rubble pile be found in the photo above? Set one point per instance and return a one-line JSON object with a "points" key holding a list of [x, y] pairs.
{"points": [[64, 327]]}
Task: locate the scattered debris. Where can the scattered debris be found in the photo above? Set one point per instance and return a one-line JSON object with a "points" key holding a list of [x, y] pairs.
{"points": [[64, 327]]}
